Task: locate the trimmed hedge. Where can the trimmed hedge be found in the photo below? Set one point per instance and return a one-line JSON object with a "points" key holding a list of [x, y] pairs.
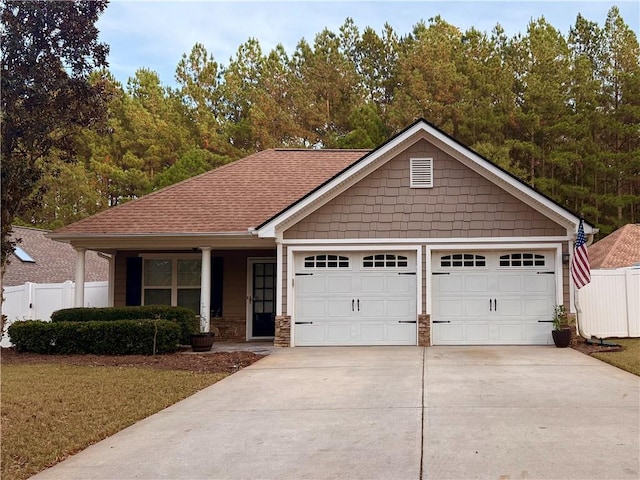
{"points": [[119, 337], [181, 315]]}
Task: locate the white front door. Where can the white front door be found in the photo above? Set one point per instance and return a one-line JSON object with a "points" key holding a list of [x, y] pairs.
{"points": [[354, 298], [493, 298]]}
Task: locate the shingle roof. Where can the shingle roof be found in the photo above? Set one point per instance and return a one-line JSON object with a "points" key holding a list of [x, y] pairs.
{"points": [[54, 261], [618, 249], [231, 198]]}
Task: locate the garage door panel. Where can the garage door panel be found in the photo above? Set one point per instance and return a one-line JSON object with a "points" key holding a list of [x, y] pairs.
{"points": [[339, 284], [361, 305], [476, 283], [497, 301]]}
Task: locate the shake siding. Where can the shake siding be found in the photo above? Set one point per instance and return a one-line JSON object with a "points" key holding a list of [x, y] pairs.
{"points": [[461, 204]]}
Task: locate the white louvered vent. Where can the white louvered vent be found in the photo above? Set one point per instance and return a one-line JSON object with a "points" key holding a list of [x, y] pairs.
{"points": [[421, 172]]}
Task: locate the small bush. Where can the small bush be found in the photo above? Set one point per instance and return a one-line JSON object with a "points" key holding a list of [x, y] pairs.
{"points": [[182, 316], [119, 337]]}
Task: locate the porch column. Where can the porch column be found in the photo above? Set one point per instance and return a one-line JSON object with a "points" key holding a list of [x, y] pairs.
{"points": [[80, 264], [205, 290]]}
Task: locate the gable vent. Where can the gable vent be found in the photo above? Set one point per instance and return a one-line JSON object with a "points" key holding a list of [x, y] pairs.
{"points": [[421, 172]]}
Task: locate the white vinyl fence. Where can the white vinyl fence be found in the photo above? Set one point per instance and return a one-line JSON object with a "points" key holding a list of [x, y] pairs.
{"points": [[610, 304], [37, 301]]}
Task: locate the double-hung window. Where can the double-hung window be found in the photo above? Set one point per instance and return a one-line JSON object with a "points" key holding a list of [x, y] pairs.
{"points": [[172, 281]]}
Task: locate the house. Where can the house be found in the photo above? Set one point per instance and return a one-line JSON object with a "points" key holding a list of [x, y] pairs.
{"points": [[420, 241], [617, 250], [38, 259]]}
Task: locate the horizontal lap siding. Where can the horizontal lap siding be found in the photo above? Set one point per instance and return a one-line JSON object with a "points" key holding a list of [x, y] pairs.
{"points": [[462, 204]]}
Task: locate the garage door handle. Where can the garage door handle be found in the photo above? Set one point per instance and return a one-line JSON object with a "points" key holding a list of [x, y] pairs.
{"points": [[407, 321], [442, 321], [353, 303], [358, 304], [304, 323]]}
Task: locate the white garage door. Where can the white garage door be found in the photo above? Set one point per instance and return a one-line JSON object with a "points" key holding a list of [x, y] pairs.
{"points": [[489, 298], [353, 298]]}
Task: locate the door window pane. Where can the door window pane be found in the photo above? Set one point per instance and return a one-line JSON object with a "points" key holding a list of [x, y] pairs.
{"points": [[189, 272], [157, 297], [157, 273]]}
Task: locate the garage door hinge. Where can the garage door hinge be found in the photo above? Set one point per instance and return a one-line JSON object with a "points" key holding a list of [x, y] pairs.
{"points": [[406, 273], [441, 273], [407, 321], [545, 321], [545, 273], [304, 323], [303, 274], [442, 321]]}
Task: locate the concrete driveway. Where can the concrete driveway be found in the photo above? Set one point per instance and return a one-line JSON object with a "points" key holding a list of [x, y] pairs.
{"points": [[389, 413]]}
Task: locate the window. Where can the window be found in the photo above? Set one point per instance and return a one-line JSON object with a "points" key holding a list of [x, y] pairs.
{"points": [[463, 260], [522, 260], [22, 255], [326, 261], [384, 260], [421, 172], [172, 282]]}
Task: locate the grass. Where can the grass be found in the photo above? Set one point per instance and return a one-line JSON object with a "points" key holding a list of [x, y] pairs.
{"points": [[52, 411], [628, 359]]}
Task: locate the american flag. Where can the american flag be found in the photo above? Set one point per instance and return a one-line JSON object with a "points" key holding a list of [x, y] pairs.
{"points": [[580, 270]]}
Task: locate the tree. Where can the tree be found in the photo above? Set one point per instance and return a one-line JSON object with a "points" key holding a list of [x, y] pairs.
{"points": [[48, 51]]}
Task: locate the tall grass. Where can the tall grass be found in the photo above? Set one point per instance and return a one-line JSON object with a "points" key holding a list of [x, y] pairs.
{"points": [[52, 411]]}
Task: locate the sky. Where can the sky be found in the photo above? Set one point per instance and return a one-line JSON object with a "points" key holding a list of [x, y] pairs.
{"points": [[154, 34]]}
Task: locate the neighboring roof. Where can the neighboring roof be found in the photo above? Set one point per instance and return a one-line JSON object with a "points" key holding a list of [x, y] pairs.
{"points": [[618, 249], [229, 199], [54, 261]]}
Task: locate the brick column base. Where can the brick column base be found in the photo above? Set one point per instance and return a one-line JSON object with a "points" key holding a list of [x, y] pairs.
{"points": [[283, 331], [424, 330]]}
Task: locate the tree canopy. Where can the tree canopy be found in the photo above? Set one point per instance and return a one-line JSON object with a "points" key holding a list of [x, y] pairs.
{"points": [[49, 50], [561, 111]]}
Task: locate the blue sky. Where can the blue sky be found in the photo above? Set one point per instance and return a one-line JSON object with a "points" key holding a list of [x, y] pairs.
{"points": [[155, 34]]}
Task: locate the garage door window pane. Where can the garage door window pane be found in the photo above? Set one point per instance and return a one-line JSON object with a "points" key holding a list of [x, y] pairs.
{"points": [[326, 261], [385, 260], [458, 260], [522, 259]]}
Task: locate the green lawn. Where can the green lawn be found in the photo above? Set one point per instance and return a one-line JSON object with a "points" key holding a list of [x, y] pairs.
{"points": [[628, 359], [52, 411]]}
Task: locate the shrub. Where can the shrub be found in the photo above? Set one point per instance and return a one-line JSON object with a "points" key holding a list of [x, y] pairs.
{"points": [[118, 337], [182, 316]]}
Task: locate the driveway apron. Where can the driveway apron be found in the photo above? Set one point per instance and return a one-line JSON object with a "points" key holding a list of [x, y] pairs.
{"points": [[389, 413]]}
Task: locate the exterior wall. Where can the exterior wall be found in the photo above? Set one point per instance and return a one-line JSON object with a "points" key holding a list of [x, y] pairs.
{"points": [[462, 204], [232, 325]]}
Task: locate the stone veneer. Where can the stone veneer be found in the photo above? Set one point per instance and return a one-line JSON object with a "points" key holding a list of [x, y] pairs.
{"points": [[229, 329], [424, 330], [283, 331]]}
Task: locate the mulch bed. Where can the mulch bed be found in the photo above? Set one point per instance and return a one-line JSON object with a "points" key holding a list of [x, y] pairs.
{"points": [[581, 345], [218, 362]]}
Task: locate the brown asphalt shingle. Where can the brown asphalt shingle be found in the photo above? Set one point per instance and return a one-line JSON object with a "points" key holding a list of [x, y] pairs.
{"points": [[618, 249], [231, 198], [54, 261]]}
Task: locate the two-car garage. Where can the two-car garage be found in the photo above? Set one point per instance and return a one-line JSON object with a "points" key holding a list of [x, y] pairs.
{"points": [[475, 297]]}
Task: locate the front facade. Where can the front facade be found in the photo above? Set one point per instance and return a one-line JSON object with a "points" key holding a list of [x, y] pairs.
{"points": [[418, 242]]}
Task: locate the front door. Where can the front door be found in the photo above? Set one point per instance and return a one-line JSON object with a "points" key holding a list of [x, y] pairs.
{"points": [[262, 298]]}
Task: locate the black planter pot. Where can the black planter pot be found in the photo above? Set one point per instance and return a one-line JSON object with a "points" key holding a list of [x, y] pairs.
{"points": [[562, 338], [202, 342]]}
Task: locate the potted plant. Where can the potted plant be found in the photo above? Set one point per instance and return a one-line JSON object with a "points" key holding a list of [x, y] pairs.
{"points": [[561, 332], [203, 341]]}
